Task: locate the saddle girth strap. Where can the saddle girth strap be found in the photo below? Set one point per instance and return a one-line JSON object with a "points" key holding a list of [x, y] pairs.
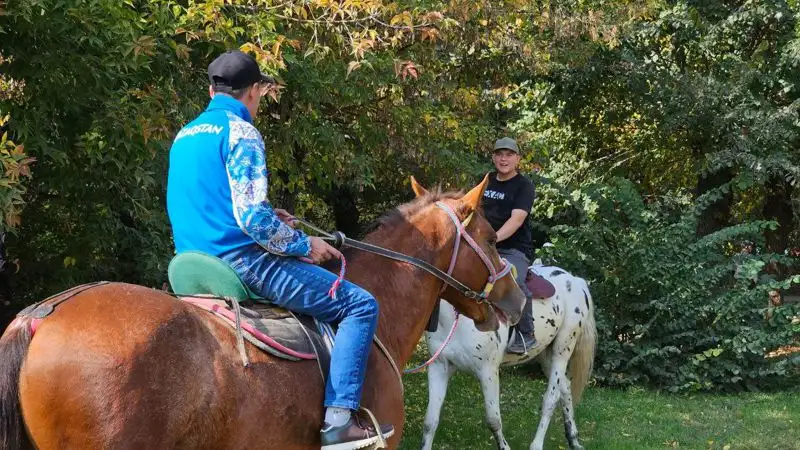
{"points": [[391, 362]]}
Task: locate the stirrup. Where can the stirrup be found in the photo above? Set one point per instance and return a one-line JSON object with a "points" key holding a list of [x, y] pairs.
{"points": [[377, 426]]}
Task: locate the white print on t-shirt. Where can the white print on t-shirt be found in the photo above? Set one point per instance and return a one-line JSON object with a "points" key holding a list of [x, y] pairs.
{"points": [[494, 194]]}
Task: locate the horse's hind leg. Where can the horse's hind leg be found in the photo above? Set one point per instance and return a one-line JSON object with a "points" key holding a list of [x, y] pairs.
{"points": [[551, 396], [545, 360], [570, 429], [490, 385], [558, 388], [438, 376]]}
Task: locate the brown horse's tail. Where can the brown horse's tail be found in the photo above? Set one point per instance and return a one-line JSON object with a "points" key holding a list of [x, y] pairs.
{"points": [[13, 349]]}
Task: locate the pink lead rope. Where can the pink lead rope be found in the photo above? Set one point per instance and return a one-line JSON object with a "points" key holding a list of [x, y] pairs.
{"points": [[339, 280], [493, 277], [422, 367], [335, 286]]}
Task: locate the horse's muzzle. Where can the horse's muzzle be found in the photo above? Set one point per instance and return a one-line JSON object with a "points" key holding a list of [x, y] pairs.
{"points": [[512, 306]]}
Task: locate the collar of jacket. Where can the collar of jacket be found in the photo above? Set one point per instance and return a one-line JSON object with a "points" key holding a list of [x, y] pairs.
{"points": [[227, 103]]}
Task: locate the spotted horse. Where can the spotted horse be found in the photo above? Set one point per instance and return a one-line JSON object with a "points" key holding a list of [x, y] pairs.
{"points": [[565, 335]]}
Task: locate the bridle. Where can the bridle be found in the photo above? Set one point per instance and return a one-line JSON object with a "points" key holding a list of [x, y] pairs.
{"points": [[494, 276], [461, 232], [338, 239]]}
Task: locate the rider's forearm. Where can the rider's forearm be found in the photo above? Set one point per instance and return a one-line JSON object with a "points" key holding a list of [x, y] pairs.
{"points": [[511, 226], [247, 175], [262, 224]]}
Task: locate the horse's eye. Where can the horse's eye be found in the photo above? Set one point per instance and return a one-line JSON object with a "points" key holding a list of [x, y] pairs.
{"points": [[492, 241]]}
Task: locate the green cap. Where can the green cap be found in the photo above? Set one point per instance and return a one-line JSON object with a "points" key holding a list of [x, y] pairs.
{"points": [[506, 143]]}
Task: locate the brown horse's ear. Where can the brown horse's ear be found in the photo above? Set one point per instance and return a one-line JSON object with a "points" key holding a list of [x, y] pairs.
{"points": [[473, 198], [418, 189]]}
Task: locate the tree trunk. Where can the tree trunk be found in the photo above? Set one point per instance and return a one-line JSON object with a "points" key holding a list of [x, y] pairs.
{"points": [[342, 200], [286, 198], [7, 310], [778, 207], [717, 214]]}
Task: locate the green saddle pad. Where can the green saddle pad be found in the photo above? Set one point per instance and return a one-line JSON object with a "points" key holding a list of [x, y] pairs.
{"points": [[268, 327], [198, 273]]}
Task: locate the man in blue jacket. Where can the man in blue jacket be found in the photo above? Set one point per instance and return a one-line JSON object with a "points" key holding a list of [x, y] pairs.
{"points": [[217, 204]]}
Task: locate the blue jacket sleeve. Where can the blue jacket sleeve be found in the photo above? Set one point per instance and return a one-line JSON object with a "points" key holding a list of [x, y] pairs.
{"points": [[246, 165]]}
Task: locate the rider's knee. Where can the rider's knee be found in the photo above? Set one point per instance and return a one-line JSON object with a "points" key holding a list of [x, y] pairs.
{"points": [[371, 307], [365, 305]]}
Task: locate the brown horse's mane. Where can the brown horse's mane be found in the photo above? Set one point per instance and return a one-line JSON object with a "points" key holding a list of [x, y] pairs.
{"points": [[407, 210], [391, 220]]}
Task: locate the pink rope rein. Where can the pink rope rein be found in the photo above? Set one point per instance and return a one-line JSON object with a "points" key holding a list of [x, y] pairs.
{"points": [[339, 279], [450, 268], [461, 232], [335, 286]]}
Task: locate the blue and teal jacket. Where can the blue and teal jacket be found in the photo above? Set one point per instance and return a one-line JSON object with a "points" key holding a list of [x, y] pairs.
{"points": [[217, 186]]}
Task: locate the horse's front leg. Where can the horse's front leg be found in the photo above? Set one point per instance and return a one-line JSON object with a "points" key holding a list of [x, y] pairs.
{"points": [[438, 376], [490, 385]]}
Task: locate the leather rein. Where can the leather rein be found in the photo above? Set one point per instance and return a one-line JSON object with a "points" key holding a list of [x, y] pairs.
{"points": [[338, 239]]}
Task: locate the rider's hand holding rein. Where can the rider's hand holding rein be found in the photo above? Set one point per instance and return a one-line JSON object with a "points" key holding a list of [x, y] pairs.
{"points": [[321, 251]]}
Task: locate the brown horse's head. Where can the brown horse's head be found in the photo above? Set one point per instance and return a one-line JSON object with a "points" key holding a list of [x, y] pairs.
{"points": [[505, 300]]}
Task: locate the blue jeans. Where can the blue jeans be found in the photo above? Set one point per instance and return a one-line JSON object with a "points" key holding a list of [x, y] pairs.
{"points": [[302, 287]]}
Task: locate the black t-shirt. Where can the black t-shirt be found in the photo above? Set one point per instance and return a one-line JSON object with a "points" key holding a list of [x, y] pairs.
{"points": [[500, 198]]}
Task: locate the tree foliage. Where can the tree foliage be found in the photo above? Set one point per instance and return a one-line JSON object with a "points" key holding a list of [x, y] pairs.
{"points": [[662, 136], [669, 153], [678, 311]]}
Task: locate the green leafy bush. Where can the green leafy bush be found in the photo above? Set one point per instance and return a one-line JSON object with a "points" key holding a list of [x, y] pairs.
{"points": [[676, 311]]}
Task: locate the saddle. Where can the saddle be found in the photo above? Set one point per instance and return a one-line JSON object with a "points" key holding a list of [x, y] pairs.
{"points": [[209, 283], [538, 286]]}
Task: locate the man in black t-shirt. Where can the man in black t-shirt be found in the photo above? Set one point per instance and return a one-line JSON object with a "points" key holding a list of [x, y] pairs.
{"points": [[507, 203]]}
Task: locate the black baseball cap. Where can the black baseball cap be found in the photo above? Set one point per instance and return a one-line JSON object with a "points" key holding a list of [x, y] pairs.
{"points": [[235, 69]]}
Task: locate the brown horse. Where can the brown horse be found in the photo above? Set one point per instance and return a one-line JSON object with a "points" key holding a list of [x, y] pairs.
{"points": [[127, 367]]}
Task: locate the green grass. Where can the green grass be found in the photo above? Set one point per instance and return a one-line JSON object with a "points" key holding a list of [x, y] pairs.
{"points": [[607, 419]]}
